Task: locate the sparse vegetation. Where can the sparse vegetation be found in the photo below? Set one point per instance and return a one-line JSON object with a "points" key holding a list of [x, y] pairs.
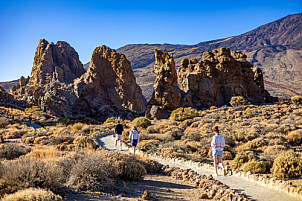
{"points": [[238, 100], [181, 114], [32, 194], [33, 110], [141, 122], [288, 165], [297, 100]]}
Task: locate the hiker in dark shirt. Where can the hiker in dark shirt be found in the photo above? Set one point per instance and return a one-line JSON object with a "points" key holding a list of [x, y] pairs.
{"points": [[118, 134]]}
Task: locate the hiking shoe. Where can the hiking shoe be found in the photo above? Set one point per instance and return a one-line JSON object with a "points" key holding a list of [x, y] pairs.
{"points": [[215, 175]]}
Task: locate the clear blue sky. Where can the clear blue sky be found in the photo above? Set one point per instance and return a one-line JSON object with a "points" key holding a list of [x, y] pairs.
{"points": [[88, 24]]}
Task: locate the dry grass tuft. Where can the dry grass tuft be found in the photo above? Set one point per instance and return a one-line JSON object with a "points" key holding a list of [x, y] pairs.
{"points": [[32, 194], [181, 114]]}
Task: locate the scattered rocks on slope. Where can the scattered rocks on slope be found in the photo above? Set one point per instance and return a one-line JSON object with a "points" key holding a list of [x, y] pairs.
{"points": [[7, 100]]}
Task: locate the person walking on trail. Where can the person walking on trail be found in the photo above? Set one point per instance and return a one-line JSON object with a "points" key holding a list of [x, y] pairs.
{"points": [[29, 119], [217, 144], [118, 134], [134, 137]]}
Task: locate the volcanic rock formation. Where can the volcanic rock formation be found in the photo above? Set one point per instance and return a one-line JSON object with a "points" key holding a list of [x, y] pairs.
{"points": [[59, 83], [7, 100], [55, 62], [214, 80], [108, 83]]}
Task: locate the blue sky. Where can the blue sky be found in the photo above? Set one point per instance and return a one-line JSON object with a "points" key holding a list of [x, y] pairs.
{"points": [[87, 24]]}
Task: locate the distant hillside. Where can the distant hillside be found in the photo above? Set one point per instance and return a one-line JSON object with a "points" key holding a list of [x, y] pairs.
{"points": [[8, 85], [275, 47]]}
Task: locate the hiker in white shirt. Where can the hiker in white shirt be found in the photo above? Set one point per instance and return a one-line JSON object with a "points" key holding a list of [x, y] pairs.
{"points": [[134, 138], [217, 144]]}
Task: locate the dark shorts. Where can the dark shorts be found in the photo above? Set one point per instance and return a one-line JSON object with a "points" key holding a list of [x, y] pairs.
{"points": [[133, 143]]}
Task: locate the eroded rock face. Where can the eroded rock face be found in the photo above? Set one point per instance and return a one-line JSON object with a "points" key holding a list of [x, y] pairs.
{"points": [[108, 83], [220, 75], [108, 88], [55, 62], [166, 95]]}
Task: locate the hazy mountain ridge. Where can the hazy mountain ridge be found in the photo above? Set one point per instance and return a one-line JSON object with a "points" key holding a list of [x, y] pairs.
{"points": [[275, 47]]}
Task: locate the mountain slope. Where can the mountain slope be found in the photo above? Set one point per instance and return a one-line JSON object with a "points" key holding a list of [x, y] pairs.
{"points": [[275, 47]]}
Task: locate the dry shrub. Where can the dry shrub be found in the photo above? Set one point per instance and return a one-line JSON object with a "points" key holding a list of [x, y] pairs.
{"points": [[151, 166], [93, 173], [31, 173], [181, 114], [297, 100], [82, 142], [148, 145], [238, 100], [175, 132], [275, 149], [3, 122], [12, 151], [39, 153], [257, 144], [141, 122], [254, 166], [288, 165], [295, 137], [32, 194], [227, 155], [173, 152], [77, 127], [151, 129], [239, 136], [241, 158], [65, 147], [131, 170], [41, 140], [14, 134], [192, 134]]}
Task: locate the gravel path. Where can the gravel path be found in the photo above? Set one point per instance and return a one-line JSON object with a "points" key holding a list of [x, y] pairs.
{"points": [[252, 190]]}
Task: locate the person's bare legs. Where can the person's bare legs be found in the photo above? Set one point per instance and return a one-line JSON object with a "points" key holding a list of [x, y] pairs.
{"points": [[221, 165], [215, 164], [133, 149], [120, 145], [115, 144]]}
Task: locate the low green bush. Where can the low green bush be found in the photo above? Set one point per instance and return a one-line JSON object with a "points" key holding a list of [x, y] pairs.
{"points": [[297, 100], [33, 110], [238, 100], [181, 114], [141, 122]]}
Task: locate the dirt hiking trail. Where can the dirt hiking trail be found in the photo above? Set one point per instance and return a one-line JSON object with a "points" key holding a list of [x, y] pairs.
{"points": [[253, 191]]}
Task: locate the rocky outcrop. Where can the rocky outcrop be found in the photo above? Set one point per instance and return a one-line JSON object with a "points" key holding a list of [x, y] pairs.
{"points": [[108, 84], [166, 95], [108, 88], [220, 75], [7, 100], [55, 62]]}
